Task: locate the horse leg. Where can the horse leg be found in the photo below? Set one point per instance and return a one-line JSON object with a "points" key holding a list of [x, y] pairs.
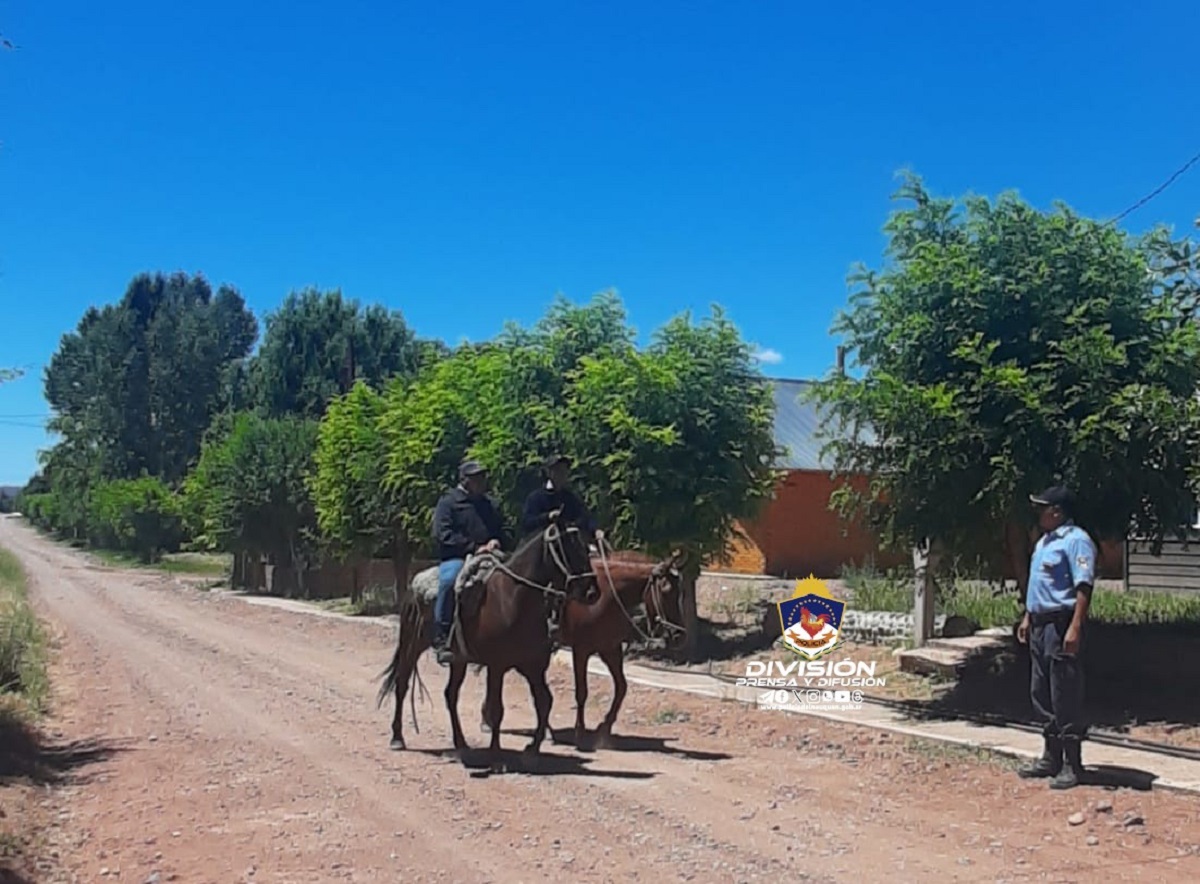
{"points": [[579, 662], [458, 673], [543, 700], [493, 707], [484, 716], [614, 659], [404, 667]]}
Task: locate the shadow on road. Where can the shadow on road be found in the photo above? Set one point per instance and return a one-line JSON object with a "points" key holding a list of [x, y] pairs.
{"points": [[629, 743], [478, 761], [1114, 777], [26, 756]]}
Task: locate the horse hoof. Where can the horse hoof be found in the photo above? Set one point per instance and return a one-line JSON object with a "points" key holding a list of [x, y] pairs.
{"points": [[397, 744]]}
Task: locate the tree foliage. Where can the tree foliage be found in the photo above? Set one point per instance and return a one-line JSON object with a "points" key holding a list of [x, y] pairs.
{"points": [[249, 491], [674, 444], [316, 345], [140, 516], [355, 513], [1005, 349], [137, 382]]}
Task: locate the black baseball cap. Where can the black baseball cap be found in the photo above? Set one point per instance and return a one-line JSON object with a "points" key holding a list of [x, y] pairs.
{"points": [[1056, 495], [554, 460], [471, 468]]}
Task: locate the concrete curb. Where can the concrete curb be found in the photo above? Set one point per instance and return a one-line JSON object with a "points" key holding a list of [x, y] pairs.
{"points": [[1002, 741]]}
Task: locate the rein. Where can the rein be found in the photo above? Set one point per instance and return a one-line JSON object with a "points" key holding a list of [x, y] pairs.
{"points": [[653, 583], [552, 538]]}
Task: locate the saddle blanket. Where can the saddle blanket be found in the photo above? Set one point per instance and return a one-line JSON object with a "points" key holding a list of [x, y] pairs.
{"points": [[475, 572]]}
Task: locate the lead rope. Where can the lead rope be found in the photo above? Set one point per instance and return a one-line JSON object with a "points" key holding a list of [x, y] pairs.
{"points": [[620, 604]]}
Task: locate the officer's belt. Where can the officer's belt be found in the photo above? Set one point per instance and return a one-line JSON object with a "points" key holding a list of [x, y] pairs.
{"points": [[1042, 618]]}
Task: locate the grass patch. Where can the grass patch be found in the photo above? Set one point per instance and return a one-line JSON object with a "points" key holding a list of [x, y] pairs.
{"points": [[989, 605], [190, 563], [22, 641], [376, 601], [735, 604], [952, 753], [670, 715]]}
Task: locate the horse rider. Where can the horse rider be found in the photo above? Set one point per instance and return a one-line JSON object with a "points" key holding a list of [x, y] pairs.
{"points": [[465, 522], [556, 499], [1062, 574]]}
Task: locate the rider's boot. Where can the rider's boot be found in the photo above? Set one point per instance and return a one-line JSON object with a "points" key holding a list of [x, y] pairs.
{"points": [[441, 646]]}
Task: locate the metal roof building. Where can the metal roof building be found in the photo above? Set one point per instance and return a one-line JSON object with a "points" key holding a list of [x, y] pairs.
{"points": [[797, 427]]}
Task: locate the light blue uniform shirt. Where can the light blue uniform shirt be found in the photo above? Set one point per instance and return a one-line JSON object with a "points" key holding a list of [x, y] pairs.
{"points": [[1062, 560]]}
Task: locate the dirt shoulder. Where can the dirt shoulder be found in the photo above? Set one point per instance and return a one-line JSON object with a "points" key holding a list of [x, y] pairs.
{"points": [[241, 743]]}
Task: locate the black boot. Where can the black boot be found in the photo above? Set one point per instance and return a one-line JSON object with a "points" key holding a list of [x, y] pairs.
{"points": [[1071, 774], [441, 647], [1049, 765]]}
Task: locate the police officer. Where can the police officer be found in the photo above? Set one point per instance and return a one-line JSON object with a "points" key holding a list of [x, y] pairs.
{"points": [[465, 522], [1062, 573]]}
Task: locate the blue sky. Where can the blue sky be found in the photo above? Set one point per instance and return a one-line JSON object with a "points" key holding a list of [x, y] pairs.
{"points": [[465, 162]]}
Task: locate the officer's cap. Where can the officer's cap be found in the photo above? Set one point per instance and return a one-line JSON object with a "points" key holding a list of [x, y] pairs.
{"points": [[1057, 495]]}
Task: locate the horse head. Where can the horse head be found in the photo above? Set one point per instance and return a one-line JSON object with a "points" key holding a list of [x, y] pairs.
{"points": [[566, 557], [663, 601]]}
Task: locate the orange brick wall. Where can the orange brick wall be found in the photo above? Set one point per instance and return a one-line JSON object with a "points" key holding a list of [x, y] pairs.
{"points": [[798, 534]]}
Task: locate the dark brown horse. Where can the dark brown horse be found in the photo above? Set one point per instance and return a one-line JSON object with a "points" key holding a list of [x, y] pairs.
{"points": [[626, 580], [504, 629]]}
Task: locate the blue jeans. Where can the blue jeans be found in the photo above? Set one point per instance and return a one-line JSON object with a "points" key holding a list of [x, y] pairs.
{"points": [[443, 609]]}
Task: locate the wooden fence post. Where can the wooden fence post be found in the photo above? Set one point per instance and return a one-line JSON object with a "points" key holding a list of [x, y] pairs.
{"points": [[925, 562]]}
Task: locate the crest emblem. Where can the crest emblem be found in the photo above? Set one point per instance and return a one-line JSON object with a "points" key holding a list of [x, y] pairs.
{"points": [[811, 619]]}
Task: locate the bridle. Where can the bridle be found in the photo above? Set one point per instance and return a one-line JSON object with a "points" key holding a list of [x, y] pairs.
{"points": [[654, 584], [555, 545]]}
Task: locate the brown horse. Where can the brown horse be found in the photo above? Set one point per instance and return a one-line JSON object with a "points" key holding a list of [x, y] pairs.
{"points": [[626, 580], [503, 629]]}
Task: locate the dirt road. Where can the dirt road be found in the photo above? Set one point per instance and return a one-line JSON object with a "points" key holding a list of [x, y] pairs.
{"points": [[244, 745]]}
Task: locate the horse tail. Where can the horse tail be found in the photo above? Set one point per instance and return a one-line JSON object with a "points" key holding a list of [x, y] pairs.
{"points": [[412, 624]]}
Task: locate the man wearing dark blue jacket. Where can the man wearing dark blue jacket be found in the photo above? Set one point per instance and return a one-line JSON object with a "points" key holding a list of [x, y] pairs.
{"points": [[554, 500]]}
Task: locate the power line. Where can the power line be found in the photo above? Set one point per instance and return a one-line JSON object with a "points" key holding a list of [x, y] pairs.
{"points": [[1158, 190]]}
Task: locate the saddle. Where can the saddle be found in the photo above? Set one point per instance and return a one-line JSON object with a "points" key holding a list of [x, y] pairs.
{"points": [[472, 579]]}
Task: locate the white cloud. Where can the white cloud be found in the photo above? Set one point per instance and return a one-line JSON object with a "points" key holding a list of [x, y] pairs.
{"points": [[768, 356]]}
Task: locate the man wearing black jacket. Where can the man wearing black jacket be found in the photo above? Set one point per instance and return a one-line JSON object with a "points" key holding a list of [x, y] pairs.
{"points": [[557, 496], [465, 522], [555, 499]]}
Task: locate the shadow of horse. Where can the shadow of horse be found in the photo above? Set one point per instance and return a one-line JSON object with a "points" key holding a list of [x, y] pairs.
{"points": [[630, 743], [484, 762]]}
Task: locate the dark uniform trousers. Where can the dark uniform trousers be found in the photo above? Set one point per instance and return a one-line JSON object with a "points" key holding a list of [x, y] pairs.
{"points": [[1056, 683]]}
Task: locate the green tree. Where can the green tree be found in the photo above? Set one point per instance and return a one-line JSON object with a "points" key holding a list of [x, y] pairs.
{"points": [[674, 444], [141, 516], [138, 381], [1004, 349], [356, 515], [249, 491], [316, 345]]}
